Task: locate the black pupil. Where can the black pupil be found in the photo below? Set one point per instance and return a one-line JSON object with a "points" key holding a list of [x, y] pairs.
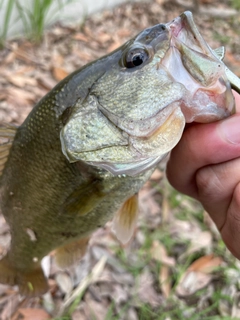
{"points": [[137, 59]]}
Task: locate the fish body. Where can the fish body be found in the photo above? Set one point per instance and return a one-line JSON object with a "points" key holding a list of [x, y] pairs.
{"points": [[89, 145]]}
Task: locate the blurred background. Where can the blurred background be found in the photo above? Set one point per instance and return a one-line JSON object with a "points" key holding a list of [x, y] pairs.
{"points": [[176, 266]]}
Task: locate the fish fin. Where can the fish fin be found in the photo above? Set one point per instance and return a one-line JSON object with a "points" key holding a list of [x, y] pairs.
{"points": [[31, 284], [84, 199], [220, 52], [71, 253], [7, 134], [124, 221]]}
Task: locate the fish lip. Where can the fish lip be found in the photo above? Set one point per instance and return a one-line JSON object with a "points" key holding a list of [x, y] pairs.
{"points": [[185, 22], [132, 168]]}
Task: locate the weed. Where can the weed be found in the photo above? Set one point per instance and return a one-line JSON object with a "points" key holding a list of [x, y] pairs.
{"points": [[6, 20]]}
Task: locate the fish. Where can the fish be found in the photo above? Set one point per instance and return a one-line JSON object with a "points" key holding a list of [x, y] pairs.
{"points": [[88, 146]]}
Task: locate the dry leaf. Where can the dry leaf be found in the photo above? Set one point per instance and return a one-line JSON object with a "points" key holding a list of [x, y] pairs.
{"points": [[80, 36], [122, 33], [198, 275], [158, 252], [236, 306], [206, 264], [95, 310], [164, 281], [191, 282], [21, 80], [145, 289], [114, 46], [31, 314], [10, 307], [64, 282], [21, 96], [199, 241], [46, 81], [59, 73]]}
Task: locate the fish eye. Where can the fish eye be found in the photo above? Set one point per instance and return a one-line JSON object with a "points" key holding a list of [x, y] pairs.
{"points": [[135, 57]]}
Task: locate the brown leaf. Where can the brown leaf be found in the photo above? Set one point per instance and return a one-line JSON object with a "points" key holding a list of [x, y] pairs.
{"points": [[158, 252], [80, 36], [21, 81], [114, 46], [30, 314], [206, 264], [59, 73], [192, 282], [164, 281], [20, 96], [46, 81], [123, 33], [146, 291], [10, 307]]}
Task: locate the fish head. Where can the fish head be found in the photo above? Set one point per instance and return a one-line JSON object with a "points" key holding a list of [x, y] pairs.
{"points": [[136, 111]]}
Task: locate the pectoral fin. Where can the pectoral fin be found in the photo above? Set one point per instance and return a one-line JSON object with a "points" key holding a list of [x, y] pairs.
{"points": [[84, 199], [125, 219]]}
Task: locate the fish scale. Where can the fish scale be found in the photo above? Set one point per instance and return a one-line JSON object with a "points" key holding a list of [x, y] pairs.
{"points": [[85, 150]]}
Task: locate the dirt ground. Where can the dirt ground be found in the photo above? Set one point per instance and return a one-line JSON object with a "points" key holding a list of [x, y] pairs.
{"points": [[176, 266]]}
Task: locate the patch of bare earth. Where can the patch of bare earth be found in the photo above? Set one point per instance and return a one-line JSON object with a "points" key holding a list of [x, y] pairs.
{"points": [[175, 267]]}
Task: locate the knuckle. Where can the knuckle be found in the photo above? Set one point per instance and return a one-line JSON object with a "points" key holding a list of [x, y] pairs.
{"points": [[209, 183]]}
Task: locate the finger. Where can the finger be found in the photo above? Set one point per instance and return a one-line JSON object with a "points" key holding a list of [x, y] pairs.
{"points": [[230, 230], [237, 100], [216, 185], [202, 145]]}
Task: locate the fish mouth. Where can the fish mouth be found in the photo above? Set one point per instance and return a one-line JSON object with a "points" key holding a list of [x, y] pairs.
{"points": [[185, 30], [191, 62]]}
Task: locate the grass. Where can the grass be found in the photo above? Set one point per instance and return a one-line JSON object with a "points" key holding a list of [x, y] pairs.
{"points": [[6, 20], [173, 308], [235, 4], [34, 18]]}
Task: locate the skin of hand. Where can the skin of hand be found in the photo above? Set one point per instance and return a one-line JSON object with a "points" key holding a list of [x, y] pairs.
{"points": [[206, 166]]}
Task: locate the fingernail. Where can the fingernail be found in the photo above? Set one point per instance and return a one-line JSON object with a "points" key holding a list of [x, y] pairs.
{"points": [[230, 129]]}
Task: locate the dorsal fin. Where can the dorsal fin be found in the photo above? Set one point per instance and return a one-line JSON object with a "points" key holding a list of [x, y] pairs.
{"points": [[125, 219], [220, 52], [7, 134]]}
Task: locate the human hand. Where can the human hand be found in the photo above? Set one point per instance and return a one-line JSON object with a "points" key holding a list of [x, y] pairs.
{"points": [[206, 165]]}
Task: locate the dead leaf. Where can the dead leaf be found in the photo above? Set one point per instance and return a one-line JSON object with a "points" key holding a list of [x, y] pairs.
{"points": [[199, 241], [158, 252], [46, 81], [10, 307], [80, 36], [95, 310], [145, 289], [21, 81], [64, 282], [30, 314], [164, 281], [114, 46], [20, 96], [206, 264], [191, 282], [122, 33], [59, 73]]}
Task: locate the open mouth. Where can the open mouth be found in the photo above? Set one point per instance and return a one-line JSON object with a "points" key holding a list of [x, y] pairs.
{"points": [[184, 29], [191, 62]]}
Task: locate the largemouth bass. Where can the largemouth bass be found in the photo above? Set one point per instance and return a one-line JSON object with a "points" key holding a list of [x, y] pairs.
{"points": [[88, 146]]}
